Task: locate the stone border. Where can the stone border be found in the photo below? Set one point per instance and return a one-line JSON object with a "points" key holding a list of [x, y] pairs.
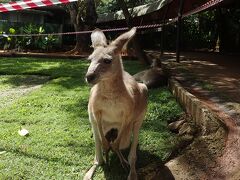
{"points": [[206, 121]]}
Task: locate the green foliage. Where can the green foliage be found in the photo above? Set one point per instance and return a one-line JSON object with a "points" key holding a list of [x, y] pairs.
{"points": [[60, 145], [8, 42], [50, 42], [21, 43], [12, 31], [206, 29], [200, 31], [229, 25], [36, 42]]}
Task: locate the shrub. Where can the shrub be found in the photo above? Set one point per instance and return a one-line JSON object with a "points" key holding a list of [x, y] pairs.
{"points": [[28, 42]]}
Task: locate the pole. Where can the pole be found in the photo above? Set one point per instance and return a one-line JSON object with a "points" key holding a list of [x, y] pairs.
{"points": [[163, 31], [179, 24]]}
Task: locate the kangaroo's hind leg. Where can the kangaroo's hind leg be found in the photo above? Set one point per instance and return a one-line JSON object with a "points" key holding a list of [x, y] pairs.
{"points": [[132, 157], [98, 160]]}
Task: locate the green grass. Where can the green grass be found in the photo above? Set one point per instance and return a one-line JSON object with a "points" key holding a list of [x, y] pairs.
{"points": [[60, 145]]}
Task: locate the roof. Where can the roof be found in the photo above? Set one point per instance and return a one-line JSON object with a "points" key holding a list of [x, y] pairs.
{"points": [[34, 11], [155, 12], [136, 11]]}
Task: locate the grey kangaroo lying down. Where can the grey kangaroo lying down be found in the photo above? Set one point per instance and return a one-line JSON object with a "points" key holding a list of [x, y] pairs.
{"points": [[117, 103]]}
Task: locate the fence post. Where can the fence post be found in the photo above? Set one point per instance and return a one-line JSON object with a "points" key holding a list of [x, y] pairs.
{"points": [[179, 23]]}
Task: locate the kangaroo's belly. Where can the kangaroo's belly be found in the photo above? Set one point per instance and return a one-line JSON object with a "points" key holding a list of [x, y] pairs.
{"points": [[111, 119], [111, 124], [114, 111]]}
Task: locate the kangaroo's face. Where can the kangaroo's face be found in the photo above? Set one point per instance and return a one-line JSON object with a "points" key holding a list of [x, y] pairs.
{"points": [[102, 66], [105, 59]]}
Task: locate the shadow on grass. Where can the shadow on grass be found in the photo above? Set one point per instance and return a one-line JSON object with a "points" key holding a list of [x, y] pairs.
{"points": [[26, 80], [45, 67], [72, 83], [54, 67], [144, 158], [162, 108]]}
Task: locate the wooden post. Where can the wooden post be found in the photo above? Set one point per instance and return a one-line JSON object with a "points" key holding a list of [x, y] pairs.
{"points": [[163, 31], [179, 23]]}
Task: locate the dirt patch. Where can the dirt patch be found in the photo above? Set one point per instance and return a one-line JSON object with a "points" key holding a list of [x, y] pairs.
{"points": [[193, 157], [199, 159]]}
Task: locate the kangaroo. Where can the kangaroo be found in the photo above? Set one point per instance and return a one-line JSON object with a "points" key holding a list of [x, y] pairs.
{"points": [[117, 103]]}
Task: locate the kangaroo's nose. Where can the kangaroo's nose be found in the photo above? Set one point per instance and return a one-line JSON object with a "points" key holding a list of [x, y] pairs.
{"points": [[90, 77]]}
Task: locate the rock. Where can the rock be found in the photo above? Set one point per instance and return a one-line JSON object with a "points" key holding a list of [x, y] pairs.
{"points": [[186, 129], [175, 126]]}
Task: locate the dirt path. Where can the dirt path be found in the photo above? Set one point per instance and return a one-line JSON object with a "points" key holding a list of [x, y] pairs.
{"points": [[215, 80], [18, 87]]}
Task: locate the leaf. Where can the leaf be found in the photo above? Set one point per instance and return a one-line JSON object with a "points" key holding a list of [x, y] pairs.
{"points": [[12, 31], [41, 30]]}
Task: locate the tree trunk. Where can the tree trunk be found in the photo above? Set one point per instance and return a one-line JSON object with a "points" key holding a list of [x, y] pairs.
{"points": [[91, 14], [79, 46], [138, 50], [77, 16], [220, 20]]}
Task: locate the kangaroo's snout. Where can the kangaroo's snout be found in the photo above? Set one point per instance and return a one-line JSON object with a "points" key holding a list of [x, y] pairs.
{"points": [[90, 78]]}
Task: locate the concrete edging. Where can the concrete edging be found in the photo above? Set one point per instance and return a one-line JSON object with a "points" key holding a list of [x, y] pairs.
{"points": [[206, 120]]}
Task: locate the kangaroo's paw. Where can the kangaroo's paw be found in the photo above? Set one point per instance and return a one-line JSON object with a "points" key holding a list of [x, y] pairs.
{"points": [[89, 174]]}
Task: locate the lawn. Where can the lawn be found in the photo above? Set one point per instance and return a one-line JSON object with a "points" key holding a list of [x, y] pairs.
{"points": [[60, 144]]}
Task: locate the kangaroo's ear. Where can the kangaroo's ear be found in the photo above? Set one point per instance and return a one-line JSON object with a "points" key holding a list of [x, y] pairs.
{"points": [[98, 39], [123, 39]]}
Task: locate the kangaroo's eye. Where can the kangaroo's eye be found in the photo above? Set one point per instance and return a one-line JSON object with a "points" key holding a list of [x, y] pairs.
{"points": [[107, 61]]}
